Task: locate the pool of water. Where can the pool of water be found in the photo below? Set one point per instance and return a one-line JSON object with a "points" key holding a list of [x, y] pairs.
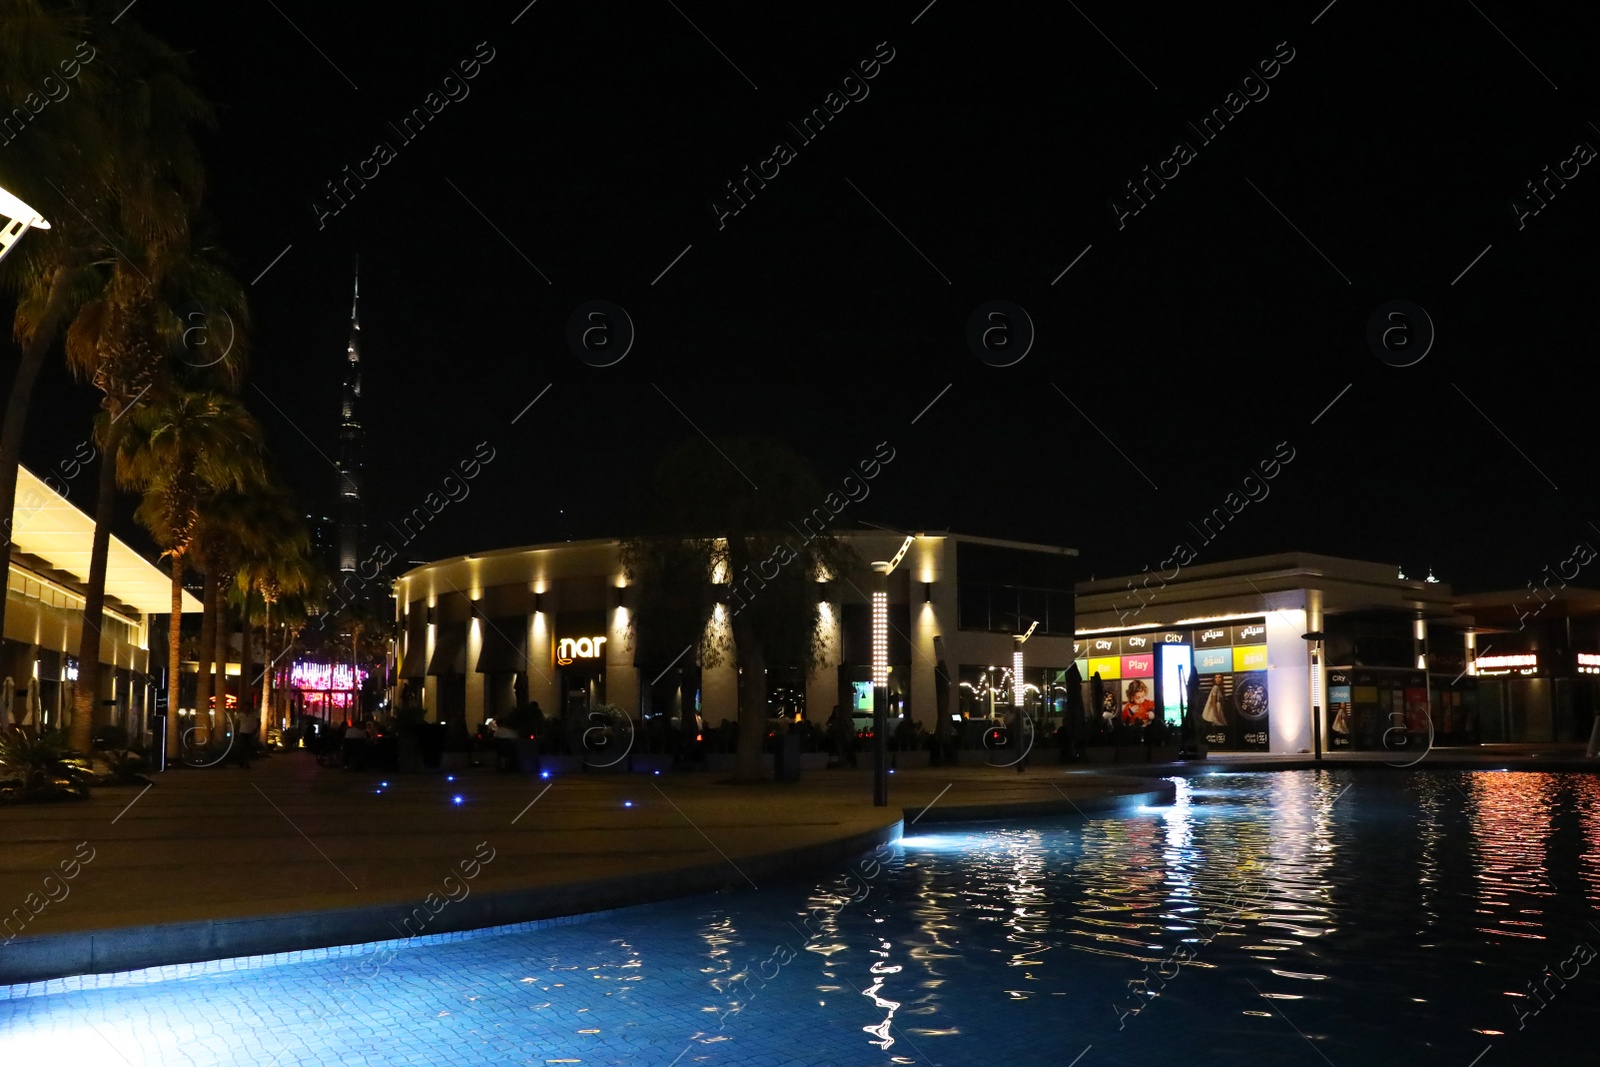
{"points": [[1342, 917]]}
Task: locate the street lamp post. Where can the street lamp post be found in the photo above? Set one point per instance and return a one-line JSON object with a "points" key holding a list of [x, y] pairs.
{"points": [[19, 219], [880, 684], [880, 673], [1316, 637]]}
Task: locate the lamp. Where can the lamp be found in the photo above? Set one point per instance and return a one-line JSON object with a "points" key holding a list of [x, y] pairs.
{"points": [[20, 217], [927, 592]]}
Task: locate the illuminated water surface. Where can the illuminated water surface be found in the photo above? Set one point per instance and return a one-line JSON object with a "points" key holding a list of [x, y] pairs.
{"points": [[1293, 918]]}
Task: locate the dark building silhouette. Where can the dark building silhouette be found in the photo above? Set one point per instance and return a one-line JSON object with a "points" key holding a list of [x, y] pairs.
{"points": [[348, 512]]}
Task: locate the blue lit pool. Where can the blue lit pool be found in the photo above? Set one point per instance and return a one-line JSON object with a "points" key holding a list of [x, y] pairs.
{"points": [[1294, 918]]}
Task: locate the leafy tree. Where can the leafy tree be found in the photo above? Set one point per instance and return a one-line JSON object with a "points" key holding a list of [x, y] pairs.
{"points": [[723, 568]]}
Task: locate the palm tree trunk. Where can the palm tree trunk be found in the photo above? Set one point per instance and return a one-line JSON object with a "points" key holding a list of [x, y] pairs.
{"points": [[266, 671], [752, 705], [208, 640], [86, 695], [224, 629], [174, 654], [246, 656], [11, 434]]}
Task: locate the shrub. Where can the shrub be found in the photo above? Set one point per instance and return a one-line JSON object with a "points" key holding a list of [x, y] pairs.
{"points": [[41, 765]]}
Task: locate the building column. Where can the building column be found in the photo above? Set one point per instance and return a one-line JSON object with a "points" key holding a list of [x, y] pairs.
{"points": [[719, 685], [622, 677], [822, 684], [924, 628], [544, 684], [1288, 673], [476, 683]]}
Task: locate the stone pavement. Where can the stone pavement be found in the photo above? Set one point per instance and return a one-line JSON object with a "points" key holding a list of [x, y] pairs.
{"points": [[226, 862]]}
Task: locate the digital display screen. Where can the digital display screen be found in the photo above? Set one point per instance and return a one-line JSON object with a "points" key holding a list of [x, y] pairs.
{"points": [[1177, 667]]}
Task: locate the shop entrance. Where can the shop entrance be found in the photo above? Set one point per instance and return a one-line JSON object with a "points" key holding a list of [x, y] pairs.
{"points": [[582, 688]]}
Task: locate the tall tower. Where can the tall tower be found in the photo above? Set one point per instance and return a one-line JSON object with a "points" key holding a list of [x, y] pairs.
{"points": [[348, 512]]}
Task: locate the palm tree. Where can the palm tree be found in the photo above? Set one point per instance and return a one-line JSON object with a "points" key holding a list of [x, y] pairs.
{"points": [[121, 160], [186, 445], [277, 563]]}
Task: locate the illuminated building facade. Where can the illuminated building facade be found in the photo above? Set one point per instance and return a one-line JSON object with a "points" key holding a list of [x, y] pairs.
{"points": [[39, 669], [555, 623]]}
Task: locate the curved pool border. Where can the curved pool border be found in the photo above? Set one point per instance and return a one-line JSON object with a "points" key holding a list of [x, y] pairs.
{"points": [[87, 959]]}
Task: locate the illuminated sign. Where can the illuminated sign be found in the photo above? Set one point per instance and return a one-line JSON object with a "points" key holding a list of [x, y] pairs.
{"points": [[1588, 663], [324, 677], [1523, 662], [571, 648], [1250, 658], [1139, 666], [1106, 667]]}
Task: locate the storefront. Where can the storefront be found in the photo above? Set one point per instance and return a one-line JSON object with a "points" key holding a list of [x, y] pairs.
{"points": [[1213, 676], [1535, 663], [556, 624], [40, 675], [1251, 648]]}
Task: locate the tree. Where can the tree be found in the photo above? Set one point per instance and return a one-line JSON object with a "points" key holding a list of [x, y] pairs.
{"points": [[121, 161], [189, 444], [724, 568], [279, 564]]}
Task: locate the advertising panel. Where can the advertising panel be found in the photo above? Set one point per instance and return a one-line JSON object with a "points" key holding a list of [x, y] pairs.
{"points": [[1107, 667], [1250, 658], [1138, 666], [1177, 667], [1213, 660]]}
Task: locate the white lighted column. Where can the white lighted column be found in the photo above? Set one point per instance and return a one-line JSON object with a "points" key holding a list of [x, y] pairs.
{"points": [[1017, 693], [543, 686], [822, 686], [1288, 674], [476, 682], [622, 677]]}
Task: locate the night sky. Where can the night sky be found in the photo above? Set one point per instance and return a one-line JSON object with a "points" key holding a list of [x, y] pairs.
{"points": [[1192, 341]]}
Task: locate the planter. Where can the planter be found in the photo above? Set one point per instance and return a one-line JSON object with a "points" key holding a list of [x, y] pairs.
{"points": [[1100, 754], [1163, 753], [455, 761], [814, 761], [907, 760]]}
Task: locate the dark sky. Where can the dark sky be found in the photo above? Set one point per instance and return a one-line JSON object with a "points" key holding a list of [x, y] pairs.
{"points": [[1171, 360]]}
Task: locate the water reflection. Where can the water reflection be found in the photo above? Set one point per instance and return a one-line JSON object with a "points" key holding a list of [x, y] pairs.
{"points": [[1511, 817]]}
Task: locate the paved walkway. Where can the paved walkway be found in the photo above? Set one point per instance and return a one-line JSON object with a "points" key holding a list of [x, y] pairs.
{"points": [[288, 855]]}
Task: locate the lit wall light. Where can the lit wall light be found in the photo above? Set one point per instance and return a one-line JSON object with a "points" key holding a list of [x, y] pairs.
{"points": [[927, 592]]}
